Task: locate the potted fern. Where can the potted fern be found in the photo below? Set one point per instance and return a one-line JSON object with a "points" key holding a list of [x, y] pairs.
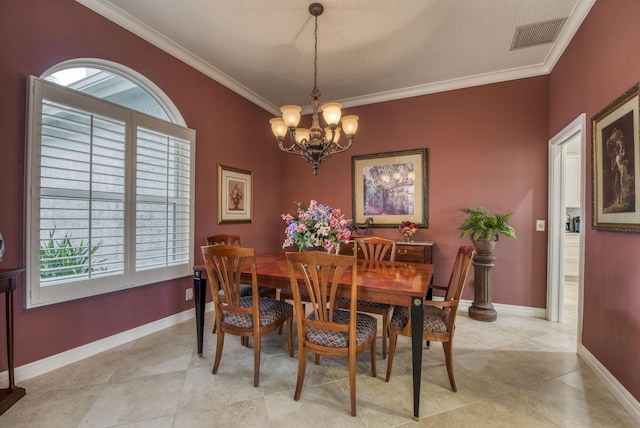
{"points": [[485, 228]]}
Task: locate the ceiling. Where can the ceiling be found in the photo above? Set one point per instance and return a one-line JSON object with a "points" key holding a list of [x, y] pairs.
{"points": [[368, 51]]}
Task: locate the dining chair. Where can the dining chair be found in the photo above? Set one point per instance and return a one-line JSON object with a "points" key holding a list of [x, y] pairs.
{"points": [[234, 240], [244, 316], [439, 316], [288, 295], [328, 330], [374, 248], [245, 289]]}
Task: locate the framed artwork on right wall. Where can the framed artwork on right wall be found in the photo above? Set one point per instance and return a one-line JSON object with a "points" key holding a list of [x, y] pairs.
{"points": [[616, 164]]}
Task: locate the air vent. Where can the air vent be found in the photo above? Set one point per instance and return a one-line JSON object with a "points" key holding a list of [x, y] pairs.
{"points": [[537, 34]]}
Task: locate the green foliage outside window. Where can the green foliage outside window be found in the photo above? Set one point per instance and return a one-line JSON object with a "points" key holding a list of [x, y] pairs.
{"points": [[59, 258]]}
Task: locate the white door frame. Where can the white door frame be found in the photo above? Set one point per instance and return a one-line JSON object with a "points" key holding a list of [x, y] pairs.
{"points": [[557, 216]]}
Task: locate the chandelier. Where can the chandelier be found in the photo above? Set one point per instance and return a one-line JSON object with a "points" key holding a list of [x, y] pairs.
{"points": [[314, 144]]}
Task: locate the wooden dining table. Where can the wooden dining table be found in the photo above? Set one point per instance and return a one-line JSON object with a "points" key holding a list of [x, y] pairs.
{"points": [[395, 283]]}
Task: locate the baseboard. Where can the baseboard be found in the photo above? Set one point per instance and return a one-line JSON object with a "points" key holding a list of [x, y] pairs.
{"points": [[628, 401], [525, 311], [53, 362]]}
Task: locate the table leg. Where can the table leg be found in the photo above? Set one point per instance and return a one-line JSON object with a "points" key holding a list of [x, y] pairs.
{"points": [[199, 298], [417, 317], [9, 321], [9, 396], [429, 297]]}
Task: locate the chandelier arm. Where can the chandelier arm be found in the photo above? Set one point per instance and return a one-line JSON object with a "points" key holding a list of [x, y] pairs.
{"points": [[325, 147], [347, 147], [339, 148], [294, 149], [333, 135], [342, 148], [301, 146]]}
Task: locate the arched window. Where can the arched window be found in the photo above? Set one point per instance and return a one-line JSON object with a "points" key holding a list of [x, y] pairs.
{"points": [[116, 83], [110, 183]]}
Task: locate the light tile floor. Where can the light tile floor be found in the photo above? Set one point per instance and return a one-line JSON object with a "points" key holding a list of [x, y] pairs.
{"points": [[515, 372]]}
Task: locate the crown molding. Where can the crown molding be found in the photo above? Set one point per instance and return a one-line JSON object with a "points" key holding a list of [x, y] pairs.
{"points": [[576, 18], [121, 18], [447, 85]]}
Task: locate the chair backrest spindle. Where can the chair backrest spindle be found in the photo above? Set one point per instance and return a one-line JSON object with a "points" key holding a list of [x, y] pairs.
{"points": [[224, 239], [376, 248]]}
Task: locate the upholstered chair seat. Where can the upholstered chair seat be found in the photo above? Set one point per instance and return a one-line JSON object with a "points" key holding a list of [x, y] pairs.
{"points": [[271, 310], [345, 300], [365, 327], [435, 319]]}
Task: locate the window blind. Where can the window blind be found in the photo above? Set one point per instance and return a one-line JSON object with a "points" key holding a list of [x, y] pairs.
{"points": [[163, 194], [82, 193]]}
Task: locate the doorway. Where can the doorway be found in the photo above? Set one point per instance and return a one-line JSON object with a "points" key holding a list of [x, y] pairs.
{"points": [[565, 253]]}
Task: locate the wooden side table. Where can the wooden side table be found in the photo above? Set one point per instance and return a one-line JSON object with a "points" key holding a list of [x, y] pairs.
{"points": [[415, 251], [9, 396], [412, 252]]}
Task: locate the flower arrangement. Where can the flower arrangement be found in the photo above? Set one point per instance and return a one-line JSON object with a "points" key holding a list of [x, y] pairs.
{"points": [[317, 225], [408, 229]]}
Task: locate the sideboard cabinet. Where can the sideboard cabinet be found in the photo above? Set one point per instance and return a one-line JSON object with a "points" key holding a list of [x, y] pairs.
{"points": [[411, 252]]}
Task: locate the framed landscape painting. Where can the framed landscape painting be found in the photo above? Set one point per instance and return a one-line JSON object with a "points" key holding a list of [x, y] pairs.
{"points": [[616, 165], [390, 188], [235, 194]]}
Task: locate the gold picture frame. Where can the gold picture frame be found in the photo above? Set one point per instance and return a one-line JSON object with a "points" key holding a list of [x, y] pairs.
{"points": [[235, 195], [615, 133], [390, 188]]}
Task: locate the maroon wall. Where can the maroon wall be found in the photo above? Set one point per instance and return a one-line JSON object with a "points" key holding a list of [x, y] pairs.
{"points": [[486, 145], [600, 64], [37, 34]]}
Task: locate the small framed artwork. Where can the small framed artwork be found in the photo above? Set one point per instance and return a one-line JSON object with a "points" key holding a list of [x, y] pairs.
{"points": [[235, 195], [616, 164], [390, 188]]}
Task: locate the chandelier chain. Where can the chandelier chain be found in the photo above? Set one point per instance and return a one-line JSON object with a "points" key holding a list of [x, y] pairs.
{"points": [[315, 58]]}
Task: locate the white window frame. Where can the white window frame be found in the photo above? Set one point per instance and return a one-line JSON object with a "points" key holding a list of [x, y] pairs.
{"points": [[38, 295]]}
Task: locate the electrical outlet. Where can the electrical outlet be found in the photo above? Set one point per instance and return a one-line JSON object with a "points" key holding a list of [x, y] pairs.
{"points": [[189, 294], [539, 225]]}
